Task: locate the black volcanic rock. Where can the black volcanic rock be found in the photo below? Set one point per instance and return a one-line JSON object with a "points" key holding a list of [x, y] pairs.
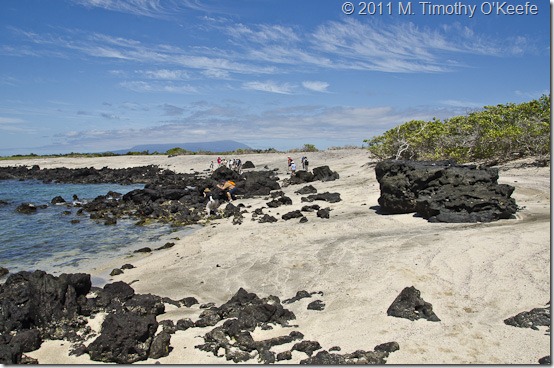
{"points": [[328, 197], [324, 173], [57, 200], [409, 304], [38, 306], [26, 208], [125, 338], [443, 191], [292, 214], [267, 218], [38, 300], [283, 200], [323, 213], [308, 189], [248, 165], [531, 319]]}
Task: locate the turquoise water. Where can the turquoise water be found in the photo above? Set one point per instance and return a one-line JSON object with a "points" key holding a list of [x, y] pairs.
{"points": [[47, 240]]}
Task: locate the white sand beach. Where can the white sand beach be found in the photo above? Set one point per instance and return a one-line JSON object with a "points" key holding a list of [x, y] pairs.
{"points": [[475, 275]]}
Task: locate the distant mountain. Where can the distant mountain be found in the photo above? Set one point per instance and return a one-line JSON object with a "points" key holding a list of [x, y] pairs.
{"points": [[215, 146]]}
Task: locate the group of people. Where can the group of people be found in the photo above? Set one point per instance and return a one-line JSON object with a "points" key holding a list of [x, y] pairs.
{"points": [[292, 164], [233, 164], [226, 189]]}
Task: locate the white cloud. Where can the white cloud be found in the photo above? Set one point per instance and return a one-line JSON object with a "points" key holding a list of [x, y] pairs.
{"points": [[164, 74], [316, 86], [269, 86], [141, 86], [149, 8]]}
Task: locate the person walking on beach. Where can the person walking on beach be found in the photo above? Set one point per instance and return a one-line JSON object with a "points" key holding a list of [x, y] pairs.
{"points": [[229, 188], [212, 166], [288, 163], [305, 163], [292, 168]]}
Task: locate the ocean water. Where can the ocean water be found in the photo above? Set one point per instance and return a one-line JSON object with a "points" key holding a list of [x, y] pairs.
{"points": [[48, 241]]}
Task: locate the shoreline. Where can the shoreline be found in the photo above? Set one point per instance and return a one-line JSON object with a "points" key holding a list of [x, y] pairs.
{"points": [[474, 275]]}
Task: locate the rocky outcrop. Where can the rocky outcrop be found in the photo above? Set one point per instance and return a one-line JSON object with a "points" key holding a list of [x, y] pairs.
{"points": [[322, 173], [409, 304], [167, 196], [125, 338], [531, 319], [443, 191]]}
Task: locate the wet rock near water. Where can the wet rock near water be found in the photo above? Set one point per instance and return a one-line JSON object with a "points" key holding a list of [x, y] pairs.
{"points": [[167, 197], [28, 208], [443, 191]]}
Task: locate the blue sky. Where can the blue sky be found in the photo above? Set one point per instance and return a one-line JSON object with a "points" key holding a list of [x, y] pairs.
{"points": [[101, 75]]}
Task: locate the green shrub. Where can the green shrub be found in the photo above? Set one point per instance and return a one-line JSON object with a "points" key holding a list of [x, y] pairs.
{"points": [[497, 133]]}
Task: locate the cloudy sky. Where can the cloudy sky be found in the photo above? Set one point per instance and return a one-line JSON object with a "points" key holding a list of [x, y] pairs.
{"points": [[100, 75]]}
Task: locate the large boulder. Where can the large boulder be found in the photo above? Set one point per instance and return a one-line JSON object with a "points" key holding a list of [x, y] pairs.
{"points": [[324, 173], [125, 338], [443, 191], [410, 305], [39, 300]]}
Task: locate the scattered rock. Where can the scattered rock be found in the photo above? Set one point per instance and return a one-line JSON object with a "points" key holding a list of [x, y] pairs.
{"points": [[166, 246], [316, 305], [57, 200], [299, 295], [115, 272], [26, 208], [323, 213], [328, 197], [283, 200], [248, 165], [292, 214], [324, 173], [308, 189], [409, 304], [267, 218], [531, 319], [143, 250]]}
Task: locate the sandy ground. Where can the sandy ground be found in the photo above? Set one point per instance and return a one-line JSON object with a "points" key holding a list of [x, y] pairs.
{"points": [[474, 275]]}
